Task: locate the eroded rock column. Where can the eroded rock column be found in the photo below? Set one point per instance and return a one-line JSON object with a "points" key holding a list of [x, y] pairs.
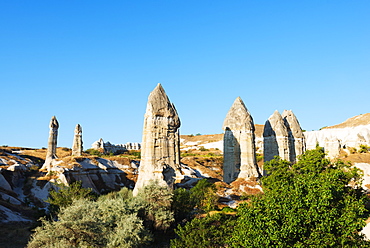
{"points": [[77, 146], [239, 144], [297, 143], [160, 149], [275, 138], [52, 144]]}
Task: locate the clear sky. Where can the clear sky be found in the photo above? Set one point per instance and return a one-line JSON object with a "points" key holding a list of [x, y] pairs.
{"points": [[95, 63]]}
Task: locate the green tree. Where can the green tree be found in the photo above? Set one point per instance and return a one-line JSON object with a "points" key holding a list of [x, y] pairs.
{"points": [[209, 232], [204, 195], [65, 195], [313, 203], [183, 204], [158, 200]]}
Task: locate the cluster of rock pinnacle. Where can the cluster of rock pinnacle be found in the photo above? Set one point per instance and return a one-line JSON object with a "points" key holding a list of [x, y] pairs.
{"points": [[160, 151], [51, 155]]}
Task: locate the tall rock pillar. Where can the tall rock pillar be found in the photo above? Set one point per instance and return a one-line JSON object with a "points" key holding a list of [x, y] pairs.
{"points": [[160, 150], [52, 144], [239, 144], [297, 143], [275, 138], [77, 146]]}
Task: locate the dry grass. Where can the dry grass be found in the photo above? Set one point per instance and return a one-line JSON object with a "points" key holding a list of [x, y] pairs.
{"points": [[355, 158], [212, 166], [353, 121], [121, 160]]}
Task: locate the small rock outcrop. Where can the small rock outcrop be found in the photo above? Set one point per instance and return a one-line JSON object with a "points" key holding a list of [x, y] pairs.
{"points": [[77, 146], [275, 138], [297, 144], [160, 151], [239, 144], [107, 147], [52, 144]]}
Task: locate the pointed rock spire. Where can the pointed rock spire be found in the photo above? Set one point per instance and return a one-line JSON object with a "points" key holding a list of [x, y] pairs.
{"points": [[77, 141], [297, 142], [52, 144], [275, 138], [239, 144], [160, 150]]}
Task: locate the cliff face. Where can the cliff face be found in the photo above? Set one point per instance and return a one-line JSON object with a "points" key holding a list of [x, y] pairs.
{"points": [[352, 133]]}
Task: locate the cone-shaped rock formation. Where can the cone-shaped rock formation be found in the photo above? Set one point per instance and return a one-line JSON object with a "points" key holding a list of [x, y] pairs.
{"points": [[160, 151], [52, 144], [77, 142], [275, 138], [239, 144], [297, 144]]}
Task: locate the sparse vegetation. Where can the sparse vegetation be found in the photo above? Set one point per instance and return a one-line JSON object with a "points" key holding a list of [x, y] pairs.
{"points": [[364, 149]]}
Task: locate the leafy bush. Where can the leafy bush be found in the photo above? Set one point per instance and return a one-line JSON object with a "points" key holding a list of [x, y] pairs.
{"points": [[92, 224], [183, 204], [308, 204], [204, 195], [94, 152], [203, 149], [158, 199], [209, 232], [114, 220], [364, 149], [65, 195]]}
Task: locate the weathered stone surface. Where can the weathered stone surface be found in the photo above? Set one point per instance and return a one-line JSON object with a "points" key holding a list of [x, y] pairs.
{"points": [[160, 151], [332, 148], [52, 144], [239, 144], [275, 138], [77, 146], [297, 143], [109, 147]]}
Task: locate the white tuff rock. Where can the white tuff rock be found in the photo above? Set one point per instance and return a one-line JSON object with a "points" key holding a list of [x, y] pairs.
{"points": [[160, 151], [239, 144]]}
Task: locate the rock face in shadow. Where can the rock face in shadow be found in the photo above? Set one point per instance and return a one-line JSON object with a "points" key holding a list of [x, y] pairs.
{"points": [[52, 144], [239, 144], [77, 142], [275, 138], [101, 175], [297, 143], [160, 151]]}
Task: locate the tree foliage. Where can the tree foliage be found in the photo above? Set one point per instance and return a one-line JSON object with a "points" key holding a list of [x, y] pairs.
{"points": [[65, 195], [209, 232], [114, 220], [313, 203]]}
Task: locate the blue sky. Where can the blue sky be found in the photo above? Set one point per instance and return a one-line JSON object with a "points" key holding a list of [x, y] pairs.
{"points": [[95, 63]]}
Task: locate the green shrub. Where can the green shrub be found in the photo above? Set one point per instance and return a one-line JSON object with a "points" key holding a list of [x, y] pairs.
{"points": [[158, 199], [364, 149], [183, 204], [204, 195], [203, 149], [308, 204], [94, 152], [65, 195], [209, 232]]}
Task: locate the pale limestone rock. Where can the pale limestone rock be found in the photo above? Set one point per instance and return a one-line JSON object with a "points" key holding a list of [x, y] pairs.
{"points": [[275, 138], [77, 146], [239, 144], [160, 151], [332, 148], [297, 143], [52, 144], [107, 147]]}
